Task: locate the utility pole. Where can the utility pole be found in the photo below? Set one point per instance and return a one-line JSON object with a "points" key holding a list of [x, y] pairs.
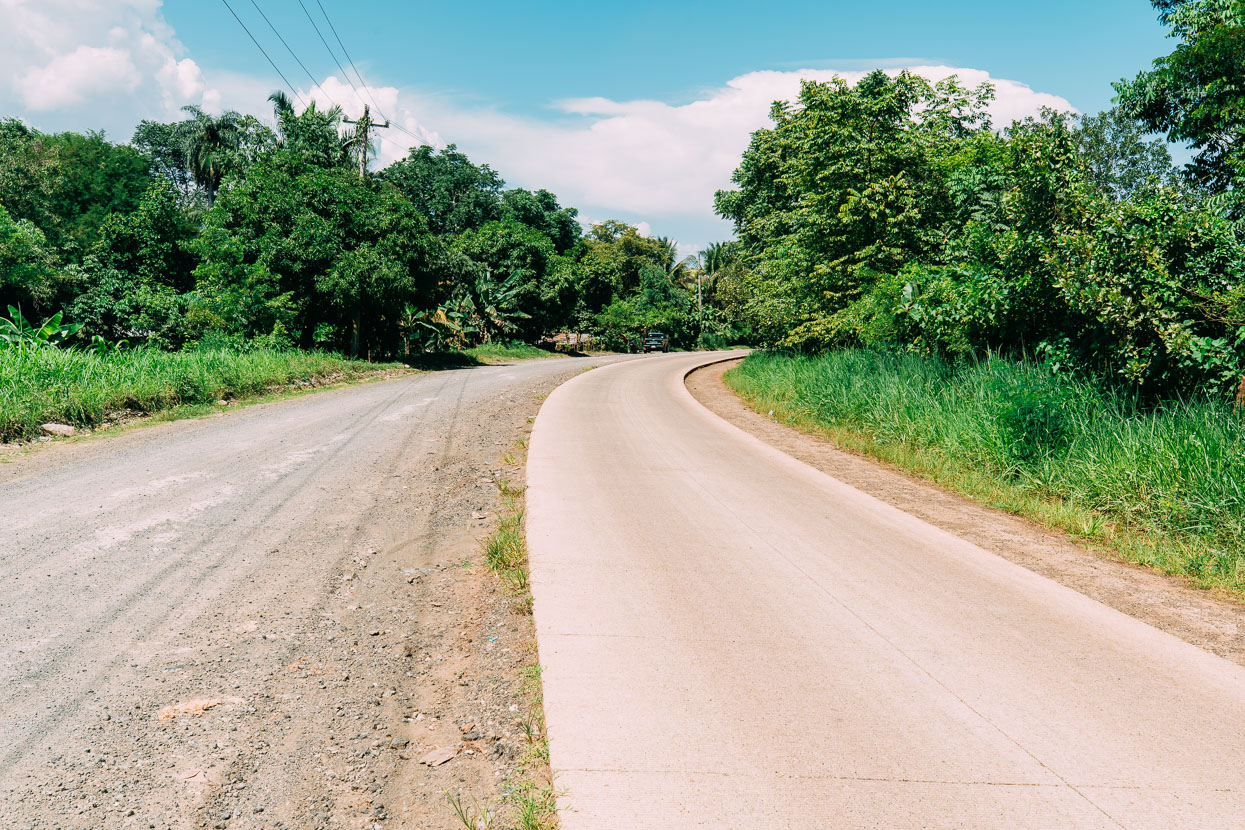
{"points": [[362, 126], [700, 308]]}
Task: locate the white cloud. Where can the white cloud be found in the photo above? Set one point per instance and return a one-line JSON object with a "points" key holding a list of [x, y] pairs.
{"points": [[81, 64], [67, 79], [651, 159]]}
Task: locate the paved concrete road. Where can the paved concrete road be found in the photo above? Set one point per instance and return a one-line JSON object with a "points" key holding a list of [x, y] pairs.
{"points": [[733, 639], [223, 559]]}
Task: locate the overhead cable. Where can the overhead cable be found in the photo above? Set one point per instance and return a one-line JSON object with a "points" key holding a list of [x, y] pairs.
{"points": [[271, 62]]}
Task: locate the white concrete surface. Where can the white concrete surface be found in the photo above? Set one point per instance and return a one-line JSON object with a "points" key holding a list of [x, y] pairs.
{"points": [[730, 638]]}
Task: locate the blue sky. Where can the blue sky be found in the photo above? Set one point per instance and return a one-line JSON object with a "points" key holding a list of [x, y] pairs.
{"points": [[521, 56], [636, 111]]}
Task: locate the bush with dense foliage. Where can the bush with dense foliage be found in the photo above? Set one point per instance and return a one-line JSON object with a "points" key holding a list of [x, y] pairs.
{"points": [[893, 214]]}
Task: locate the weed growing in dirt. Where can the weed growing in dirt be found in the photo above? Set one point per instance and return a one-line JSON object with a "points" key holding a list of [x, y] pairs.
{"points": [[531, 800], [472, 816], [1162, 485], [505, 551], [535, 802]]}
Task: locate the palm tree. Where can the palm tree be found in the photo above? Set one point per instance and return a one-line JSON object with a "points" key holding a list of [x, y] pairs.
{"points": [[211, 147], [679, 271], [716, 257], [313, 132]]}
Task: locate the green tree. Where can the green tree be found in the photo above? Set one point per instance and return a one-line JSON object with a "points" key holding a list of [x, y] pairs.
{"points": [[296, 247], [454, 194], [1119, 160], [165, 145], [540, 284], [29, 275], [67, 184], [610, 260], [211, 148], [313, 134], [540, 211], [850, 184], [1194, 94], [139, 274]]}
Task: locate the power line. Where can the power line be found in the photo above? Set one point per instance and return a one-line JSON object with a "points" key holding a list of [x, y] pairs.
{"points": [[283, 43], [358, 74], [271, 62], [349, 59], [330, 50]]}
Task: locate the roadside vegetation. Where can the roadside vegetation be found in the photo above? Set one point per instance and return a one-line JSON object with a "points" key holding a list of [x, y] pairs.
{"points": [[1161, 484], [1048, 315], [84, 389], [894, 214], [225, 229], [530, 801], [506, 352]]}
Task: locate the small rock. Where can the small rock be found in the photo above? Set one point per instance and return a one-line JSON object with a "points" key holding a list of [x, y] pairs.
{"points": [[438, 757], [62, 430], [222, 403], [399, 743], [471, 736]]}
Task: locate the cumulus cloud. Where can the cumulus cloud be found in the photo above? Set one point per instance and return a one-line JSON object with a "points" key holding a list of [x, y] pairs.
{"points": [[67, 79], [645, 158], [79, 64]]}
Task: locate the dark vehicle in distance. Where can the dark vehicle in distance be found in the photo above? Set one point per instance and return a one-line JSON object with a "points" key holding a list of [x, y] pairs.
{"points": [[655, 341]]}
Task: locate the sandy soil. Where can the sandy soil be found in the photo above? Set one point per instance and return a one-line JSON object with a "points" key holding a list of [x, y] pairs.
{"points": [[268, 618], [1216, 624]]}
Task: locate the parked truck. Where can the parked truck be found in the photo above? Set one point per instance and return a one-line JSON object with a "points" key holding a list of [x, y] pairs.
{"points": [[656, 341]]}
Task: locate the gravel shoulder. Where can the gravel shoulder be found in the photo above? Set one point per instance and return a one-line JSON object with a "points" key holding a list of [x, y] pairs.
{"points": [[269, 617], [1214, 623]]}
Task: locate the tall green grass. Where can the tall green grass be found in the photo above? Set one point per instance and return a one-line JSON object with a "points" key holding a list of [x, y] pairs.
{"points": [[84, 389], [1163, 485]]}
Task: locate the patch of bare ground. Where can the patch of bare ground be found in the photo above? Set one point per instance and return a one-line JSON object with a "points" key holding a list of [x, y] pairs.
{"points": [[373, 670], [1209, 621]]}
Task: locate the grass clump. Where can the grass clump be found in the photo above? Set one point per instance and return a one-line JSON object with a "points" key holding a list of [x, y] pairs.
{"points": [[505, 552], [1162, 485], [84, 389], [506, 352]]}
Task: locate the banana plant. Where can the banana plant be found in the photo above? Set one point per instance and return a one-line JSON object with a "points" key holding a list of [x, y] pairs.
{"points": [[494, 306], [16, 332], [439, 328]]}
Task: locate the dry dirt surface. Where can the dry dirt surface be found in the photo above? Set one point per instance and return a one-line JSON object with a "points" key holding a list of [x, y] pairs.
{"points": [[1213, 623], [268, 618]]}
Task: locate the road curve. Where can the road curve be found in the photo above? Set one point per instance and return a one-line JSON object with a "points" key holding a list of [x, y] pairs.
{"points": [[730, 638]]}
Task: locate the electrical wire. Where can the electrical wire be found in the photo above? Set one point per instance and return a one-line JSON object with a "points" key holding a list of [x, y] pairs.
{"points": [[349, 59], [330, 50], [358, 75], [312, 77], [271, 62]]}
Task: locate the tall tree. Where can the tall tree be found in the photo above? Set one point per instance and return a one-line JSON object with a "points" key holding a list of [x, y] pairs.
{"points": [[211, 145], [1120, 160], [540, 211], [452, 192], [1196, 94]]}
